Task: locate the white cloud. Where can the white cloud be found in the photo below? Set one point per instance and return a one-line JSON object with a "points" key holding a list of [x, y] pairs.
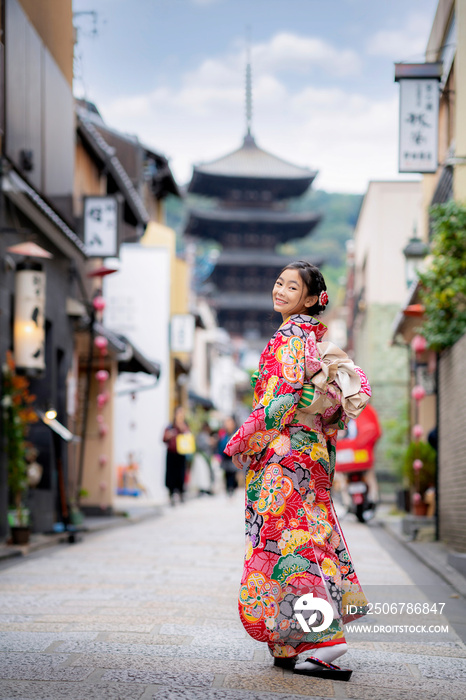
{"points": [[406, 43], [288, 51], [348, 137]]}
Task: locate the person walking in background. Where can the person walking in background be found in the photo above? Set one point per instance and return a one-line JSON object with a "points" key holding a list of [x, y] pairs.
{"points": [[229, 469], [202, 474], [176, 455], [304, 391]]}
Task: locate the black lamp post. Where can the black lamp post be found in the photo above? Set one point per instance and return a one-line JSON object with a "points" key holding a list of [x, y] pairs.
{"points": [[414, 253]]}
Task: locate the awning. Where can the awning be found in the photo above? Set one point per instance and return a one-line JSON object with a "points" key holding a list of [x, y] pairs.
{"points": [[42, 215], [129, 358], [202, 401]]}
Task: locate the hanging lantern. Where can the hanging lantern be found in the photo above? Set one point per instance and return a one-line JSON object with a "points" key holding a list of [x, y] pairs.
{"points": [[417, 465], [418, 431], [418, 392], [103, 430], [417, 497], [29, 325], [101, 343], [102, 375], [99, 303], [103, 459], [102, 399], [418, 344]]}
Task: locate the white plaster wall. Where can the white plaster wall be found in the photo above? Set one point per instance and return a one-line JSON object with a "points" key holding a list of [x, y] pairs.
{"points": [[138, 306], [385, 225]]}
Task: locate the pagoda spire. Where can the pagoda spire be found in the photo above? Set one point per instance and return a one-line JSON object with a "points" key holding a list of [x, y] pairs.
{"points": [[249, 138]]}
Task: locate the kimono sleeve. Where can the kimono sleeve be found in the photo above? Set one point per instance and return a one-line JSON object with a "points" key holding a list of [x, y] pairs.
{"points": [[281, 384]]}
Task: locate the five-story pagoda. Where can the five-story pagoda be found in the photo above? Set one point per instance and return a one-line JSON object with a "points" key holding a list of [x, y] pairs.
{"points": [[250, 220]]}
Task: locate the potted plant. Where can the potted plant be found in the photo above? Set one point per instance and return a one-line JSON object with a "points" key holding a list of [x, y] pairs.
{"points": [[17, 415], [419, 469]]}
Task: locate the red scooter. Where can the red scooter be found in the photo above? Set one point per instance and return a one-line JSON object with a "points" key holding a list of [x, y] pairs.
{"points": [[355, 464]]}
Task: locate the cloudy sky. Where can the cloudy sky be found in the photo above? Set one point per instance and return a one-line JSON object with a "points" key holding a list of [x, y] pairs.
{"points": [[172, 72]]}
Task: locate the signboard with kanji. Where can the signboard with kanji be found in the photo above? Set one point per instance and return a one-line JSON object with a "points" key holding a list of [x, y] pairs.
{"points": [[101, 226], [419, 101], [419, 105]]}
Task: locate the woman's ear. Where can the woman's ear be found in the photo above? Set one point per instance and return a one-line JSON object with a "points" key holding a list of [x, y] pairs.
{"points": [[311, 301]]}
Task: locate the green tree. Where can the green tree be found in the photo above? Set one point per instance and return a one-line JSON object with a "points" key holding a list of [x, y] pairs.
{"points": [[443, 284]]}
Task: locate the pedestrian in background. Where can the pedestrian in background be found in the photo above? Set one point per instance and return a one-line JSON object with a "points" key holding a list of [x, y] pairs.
{"points": [[296, 554], [177, 450], [229, 469], [201, 473]]}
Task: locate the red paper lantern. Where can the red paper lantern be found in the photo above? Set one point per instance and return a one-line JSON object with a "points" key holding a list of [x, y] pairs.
{"points": [[101, 342], [99, 303], [418, 431], [102, 400], [417, 498], [102, 375], [417, 465], [418, 344], [418, 392], [103, 459]]}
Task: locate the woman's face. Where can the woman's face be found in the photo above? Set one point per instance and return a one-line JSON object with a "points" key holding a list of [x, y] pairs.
{"points": [[290, 295], [179, 416]]}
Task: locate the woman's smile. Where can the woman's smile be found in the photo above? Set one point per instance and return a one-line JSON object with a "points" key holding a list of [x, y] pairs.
{"points": [[288, 294]]}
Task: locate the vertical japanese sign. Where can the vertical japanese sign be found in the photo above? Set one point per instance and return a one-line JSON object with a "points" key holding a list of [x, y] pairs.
{"points": [[101, 226], [418, 126], [419, 105]]}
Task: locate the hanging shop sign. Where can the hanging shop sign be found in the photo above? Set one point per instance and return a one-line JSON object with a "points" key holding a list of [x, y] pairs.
{"points": [[29, 325], [418, 120], [101, 229], [182, 333]]}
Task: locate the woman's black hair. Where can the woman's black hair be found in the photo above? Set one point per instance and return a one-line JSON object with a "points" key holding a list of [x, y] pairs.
{"points": [[313, 281]]}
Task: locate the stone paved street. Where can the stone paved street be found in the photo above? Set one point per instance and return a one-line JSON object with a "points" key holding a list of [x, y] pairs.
{"points": [[148, 612]]}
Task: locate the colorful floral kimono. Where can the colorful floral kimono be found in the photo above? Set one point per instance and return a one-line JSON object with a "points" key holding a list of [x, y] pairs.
{"points": [[304, 391]]}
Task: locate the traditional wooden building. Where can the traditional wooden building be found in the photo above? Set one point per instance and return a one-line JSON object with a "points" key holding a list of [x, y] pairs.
{"points": [[251, 219]]}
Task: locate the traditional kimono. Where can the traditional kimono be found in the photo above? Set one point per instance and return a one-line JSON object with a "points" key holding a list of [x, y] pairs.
{"points": [[304, 391]]}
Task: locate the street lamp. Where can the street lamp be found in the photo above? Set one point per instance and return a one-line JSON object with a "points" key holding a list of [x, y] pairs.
{"points": [[414, 253]]}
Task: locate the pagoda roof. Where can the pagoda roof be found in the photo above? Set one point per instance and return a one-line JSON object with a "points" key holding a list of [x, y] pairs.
{"points": [[242, 301], [251, 257], [250, 167], [215, 223]]}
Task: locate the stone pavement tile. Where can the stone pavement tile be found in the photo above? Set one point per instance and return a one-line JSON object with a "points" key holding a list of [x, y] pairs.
{"points": [[360, 689], [450, 669], [31, 627], [447, 649], [237, 632], [275, 681], [159, 664], [234, 650], [40, 667], [173, 679], [40, 641], [30, 690], [223, 694], [136, 638]]}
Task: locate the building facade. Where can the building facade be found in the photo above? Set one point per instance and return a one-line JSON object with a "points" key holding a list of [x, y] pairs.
{"points": [[389, 213]]}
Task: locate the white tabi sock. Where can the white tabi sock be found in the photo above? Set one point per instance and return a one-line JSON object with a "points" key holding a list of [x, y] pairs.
{"points": [[327, 654]]}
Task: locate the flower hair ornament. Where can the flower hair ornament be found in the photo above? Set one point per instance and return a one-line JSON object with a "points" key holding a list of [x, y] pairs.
{"points": [[323, 298]]}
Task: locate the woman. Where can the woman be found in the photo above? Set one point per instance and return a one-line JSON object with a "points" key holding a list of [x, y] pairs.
{"points": [[201, 473], [176, 462], [229, 469], [304, 391]]}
